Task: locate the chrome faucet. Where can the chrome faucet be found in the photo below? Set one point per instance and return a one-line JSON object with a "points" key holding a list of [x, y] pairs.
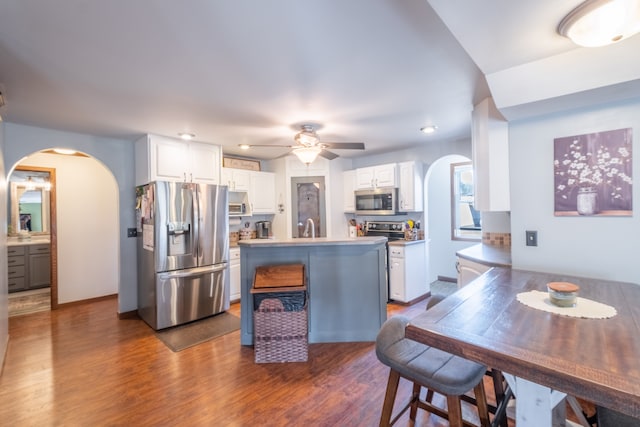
{"points": [[306, 229]]}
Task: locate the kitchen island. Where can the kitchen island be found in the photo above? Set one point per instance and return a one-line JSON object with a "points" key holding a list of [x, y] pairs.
{"points": [[346, 284]]}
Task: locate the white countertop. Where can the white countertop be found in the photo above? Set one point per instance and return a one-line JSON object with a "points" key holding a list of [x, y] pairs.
{"points": [[34, 240], [312, 241], [406, 242], [491, 255]]}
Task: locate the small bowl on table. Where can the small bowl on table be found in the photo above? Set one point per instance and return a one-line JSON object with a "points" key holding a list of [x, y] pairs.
{"points": [[563, 294]]}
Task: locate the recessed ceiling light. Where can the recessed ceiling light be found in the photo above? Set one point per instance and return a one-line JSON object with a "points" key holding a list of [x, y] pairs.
{"points": [[428, 129], [186, 136], [601, 22], [244, 146]]}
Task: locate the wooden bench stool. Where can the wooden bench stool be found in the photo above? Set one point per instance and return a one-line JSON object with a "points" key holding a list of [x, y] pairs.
{"points": [[425, 366]]}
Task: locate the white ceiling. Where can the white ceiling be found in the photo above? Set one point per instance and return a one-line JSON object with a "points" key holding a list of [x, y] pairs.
{"points": [[251, 71]]}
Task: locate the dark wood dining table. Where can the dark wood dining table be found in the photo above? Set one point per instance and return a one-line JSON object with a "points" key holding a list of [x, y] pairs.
{"points": [[547, 355]]}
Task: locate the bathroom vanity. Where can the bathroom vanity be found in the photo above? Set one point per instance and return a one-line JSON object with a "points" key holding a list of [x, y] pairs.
{"points": [[28, 265]]}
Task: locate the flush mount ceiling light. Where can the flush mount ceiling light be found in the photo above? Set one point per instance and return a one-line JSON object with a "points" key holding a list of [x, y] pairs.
{"points": [[65, 151], [244, 146], [601, 22], [428, 129], [186, 136], [307, 154]]}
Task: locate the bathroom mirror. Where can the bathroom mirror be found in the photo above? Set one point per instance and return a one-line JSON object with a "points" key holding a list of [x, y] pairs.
{"points": [[465, 219], [30, 200]]}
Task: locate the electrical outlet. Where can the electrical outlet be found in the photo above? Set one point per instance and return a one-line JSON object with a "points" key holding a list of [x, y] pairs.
{"points": [[532, 238], [132, 232]]}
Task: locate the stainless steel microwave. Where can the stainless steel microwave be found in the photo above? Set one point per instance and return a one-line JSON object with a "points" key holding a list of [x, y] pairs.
{"points": [[380, 201]]}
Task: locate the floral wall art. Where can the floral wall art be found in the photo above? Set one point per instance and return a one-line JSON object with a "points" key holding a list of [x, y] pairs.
{"points": [[592, 174]]}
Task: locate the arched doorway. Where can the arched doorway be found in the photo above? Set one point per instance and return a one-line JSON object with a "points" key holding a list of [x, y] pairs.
{"points": [[442, 248], [32, 255], [84, 234]]}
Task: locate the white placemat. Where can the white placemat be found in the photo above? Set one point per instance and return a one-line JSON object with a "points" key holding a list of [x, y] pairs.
{"points": [[584, 308]]}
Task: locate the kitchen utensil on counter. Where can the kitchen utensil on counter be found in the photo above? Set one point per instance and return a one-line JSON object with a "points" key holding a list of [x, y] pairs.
{"points": [[353, 228]]}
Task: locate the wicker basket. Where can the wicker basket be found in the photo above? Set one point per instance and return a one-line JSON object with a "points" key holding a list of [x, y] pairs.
{"points": [[279, 335]]}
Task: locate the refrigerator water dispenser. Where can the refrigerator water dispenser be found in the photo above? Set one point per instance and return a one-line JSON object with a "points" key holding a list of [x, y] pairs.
{"points": [[179, 234]]}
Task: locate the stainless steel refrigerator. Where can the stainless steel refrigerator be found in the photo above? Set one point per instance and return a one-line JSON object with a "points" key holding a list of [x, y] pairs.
{"points": [[183, 252]]}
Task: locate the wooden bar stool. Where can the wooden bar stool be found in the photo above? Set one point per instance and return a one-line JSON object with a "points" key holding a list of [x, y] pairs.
{"points": [[425, 366], [500, 388]]}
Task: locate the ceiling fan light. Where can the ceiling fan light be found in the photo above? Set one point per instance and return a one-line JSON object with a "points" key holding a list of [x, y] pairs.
{"points": [[306, 138], [307, 154], [601, 22]]}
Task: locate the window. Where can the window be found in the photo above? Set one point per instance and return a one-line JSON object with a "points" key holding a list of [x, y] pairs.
{"points": [[465, 220]]}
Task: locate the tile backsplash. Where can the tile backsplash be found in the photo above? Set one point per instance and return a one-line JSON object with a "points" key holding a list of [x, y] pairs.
{"points": [[496, 239]]}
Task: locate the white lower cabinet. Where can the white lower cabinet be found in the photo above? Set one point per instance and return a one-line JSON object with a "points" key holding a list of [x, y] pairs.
{"points": [[407, 272], [234, 274], [469, 270]]}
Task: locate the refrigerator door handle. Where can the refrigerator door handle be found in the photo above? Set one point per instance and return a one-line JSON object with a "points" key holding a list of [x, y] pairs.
{"points": [[198, 271], [195, 220]]}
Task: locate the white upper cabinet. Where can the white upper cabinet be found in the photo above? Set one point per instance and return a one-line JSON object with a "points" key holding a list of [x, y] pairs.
{"points": [[236, 179], [259, 186], [262, 193], [204, 161], [349, 186], [377, 176], [410, 189], [490, 146], [159, 158]]}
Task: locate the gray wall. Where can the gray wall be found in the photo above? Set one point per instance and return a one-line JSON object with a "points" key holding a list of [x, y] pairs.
{"points": [[428, 153], [600, 247], [118, 156], [4, 293]]}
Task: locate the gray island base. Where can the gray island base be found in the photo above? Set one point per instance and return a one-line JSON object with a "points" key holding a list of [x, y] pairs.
{"points": [[346, 284]]}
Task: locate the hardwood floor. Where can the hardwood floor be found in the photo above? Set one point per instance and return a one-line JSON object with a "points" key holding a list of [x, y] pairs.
{"points": [[82, 366]]}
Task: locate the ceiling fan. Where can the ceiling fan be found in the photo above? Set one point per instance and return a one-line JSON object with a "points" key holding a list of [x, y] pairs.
{"points": [[308, 145]]}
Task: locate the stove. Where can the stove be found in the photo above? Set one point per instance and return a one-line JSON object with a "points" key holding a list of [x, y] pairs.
{"points": [[392, 230]]}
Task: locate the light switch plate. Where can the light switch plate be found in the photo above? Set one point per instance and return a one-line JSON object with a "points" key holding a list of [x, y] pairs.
{"points": [[532, 238]]}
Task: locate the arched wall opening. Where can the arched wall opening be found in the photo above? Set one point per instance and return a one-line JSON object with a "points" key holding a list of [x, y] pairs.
{"points": [[116, 154], [442, 248], [86, 226]]}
